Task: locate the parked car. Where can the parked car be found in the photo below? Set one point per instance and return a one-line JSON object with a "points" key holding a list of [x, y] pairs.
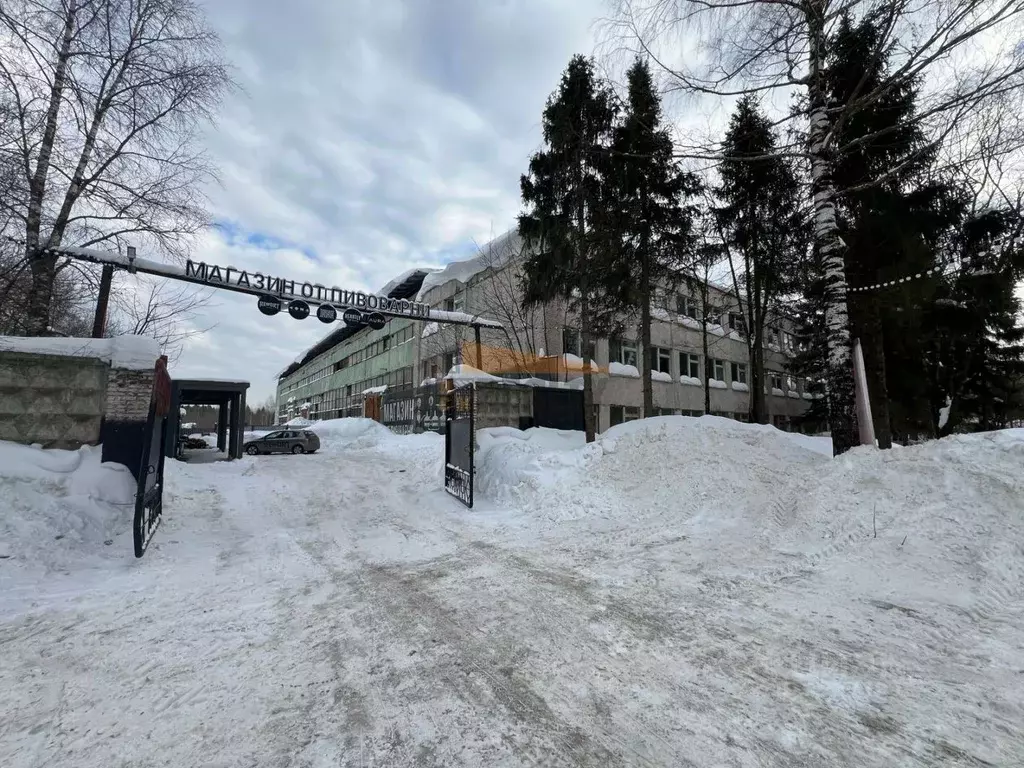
{"points": [[284, 441]]}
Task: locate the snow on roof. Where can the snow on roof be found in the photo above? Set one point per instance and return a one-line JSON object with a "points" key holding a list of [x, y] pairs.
{"points": [[138, 353], [493, 254], [465, 372], [376, 390], [399, 279]]}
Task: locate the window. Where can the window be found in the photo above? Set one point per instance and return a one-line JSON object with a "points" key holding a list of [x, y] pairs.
{"points": [[661, 359], [686, 306], [790, 383], [714, 314], [449, 304], [787, 341], [689, 365], [781, 422], [771, 337], [741, 416], [716, 368], [619, 414], [776, 380], [739, 372], [623, 351], [615, 415], [737, 323], [571, 341]]}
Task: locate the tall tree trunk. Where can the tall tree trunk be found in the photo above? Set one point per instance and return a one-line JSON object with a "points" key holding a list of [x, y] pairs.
{"points": [[44, 268], [645, 332], [758, 403], [707, 361], [873, 345], [586, 342], [839, 370]]}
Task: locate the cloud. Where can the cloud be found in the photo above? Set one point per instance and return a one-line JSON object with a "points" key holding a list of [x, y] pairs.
{"points": [[367, 137]]}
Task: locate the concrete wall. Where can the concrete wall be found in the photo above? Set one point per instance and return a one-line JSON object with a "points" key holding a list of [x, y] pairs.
{"points": [[501, 405], [56, 401]]}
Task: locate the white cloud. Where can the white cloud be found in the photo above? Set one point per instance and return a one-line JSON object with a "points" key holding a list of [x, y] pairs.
{"points": [[375, 135]]}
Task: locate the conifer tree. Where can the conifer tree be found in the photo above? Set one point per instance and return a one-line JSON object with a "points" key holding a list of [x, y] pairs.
{"points": [[762, 229], [649, 210], [566, 222]]}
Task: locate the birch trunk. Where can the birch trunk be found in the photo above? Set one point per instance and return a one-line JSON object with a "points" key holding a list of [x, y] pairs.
{"points": [[839, 371], [44, 268]]}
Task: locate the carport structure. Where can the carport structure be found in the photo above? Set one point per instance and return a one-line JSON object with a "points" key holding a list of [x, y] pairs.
{"points": [[228, 396]]}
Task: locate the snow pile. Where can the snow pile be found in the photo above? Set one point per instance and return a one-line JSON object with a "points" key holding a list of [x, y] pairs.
{"points": [[648, 466], [740, 386], [717, 384], [661, 376], [57, 507], [618, 369], [429, 330], [298, 421], [693, 381], [350, 433], [138, 353]]}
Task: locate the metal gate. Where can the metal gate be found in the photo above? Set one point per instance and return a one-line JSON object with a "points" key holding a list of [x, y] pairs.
{"points": [[150, 488], [459, 443]]}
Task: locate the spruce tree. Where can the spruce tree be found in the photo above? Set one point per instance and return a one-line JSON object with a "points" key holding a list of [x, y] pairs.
{"points": [[761, 227], [649, 216], [891, 228], [975, 343], [566, 222]]}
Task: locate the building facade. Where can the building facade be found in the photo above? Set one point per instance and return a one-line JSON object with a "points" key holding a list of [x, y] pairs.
{"points": [[545, 342]]}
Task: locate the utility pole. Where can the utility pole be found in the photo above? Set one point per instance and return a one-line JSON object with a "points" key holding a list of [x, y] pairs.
{"points": [[99, 323]]}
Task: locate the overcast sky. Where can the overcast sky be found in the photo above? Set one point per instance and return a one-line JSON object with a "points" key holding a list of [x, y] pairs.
{"points": [[369, 136]]}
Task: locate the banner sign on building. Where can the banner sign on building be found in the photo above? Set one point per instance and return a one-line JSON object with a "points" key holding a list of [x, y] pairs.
{"points": [[412, 411], [215, 275]]}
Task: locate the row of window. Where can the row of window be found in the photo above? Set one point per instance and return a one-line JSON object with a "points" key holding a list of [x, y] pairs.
{"points": [[351, 395], [379, 347], [689, 365], [364, 353]]}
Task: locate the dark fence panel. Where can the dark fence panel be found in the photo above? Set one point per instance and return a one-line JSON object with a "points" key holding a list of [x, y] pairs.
{"points": [[558, 408], [459, 444]]}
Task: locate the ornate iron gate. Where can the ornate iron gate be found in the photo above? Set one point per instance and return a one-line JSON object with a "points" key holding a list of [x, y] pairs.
{"points": [[459, 443]]}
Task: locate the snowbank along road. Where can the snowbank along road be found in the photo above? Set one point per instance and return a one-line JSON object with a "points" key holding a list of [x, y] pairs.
{"points": [[683, 592]]}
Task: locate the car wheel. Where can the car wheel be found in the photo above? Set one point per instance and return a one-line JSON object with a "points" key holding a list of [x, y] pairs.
{"points": [[298, 449], [252, 450]]}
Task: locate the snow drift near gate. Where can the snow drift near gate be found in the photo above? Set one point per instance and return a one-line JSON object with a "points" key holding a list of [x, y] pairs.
{"points": [[59, 507]]}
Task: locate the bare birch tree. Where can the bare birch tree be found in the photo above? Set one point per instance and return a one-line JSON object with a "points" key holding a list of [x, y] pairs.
{"points": [[106, 100], [966, 53]]}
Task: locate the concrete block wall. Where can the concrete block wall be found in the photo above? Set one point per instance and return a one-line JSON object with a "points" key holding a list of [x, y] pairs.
{"points": [[501, 405], [56, 401]]}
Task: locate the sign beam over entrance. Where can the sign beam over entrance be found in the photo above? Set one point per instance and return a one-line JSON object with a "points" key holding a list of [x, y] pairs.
{"points": [[261, 285]]}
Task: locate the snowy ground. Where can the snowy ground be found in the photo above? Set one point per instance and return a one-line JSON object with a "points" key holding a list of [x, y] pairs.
{"points": [[683, 592]]}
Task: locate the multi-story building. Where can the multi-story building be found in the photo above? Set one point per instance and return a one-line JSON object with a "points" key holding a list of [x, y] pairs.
{"points": [[545, 341]]}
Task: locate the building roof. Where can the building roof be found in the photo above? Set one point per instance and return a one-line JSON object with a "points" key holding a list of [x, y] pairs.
{"points": [[405, 286]]}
